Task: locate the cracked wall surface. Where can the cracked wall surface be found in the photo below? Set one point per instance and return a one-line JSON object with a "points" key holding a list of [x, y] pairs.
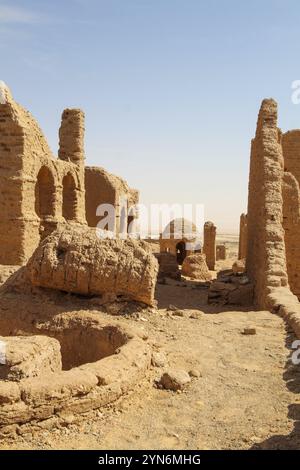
{"points": [[209, 244], [273, 259], [76, 260], [32, 181], [39, 192]]}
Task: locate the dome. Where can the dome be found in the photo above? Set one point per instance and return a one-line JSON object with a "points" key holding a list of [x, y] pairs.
{"points": [[180, 229]]}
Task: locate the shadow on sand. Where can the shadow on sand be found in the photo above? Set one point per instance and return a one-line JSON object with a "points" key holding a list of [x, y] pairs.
{"points": [[291, 376]]}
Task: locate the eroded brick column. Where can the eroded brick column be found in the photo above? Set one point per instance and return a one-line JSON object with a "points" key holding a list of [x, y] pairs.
{"points": [[209, 244], [71, 136]]}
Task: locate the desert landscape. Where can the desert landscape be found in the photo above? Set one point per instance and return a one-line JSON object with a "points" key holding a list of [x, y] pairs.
{"points": [[149, 233]]}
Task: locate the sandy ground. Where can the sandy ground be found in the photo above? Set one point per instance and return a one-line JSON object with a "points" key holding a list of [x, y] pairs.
{"points": [[246, 397]]}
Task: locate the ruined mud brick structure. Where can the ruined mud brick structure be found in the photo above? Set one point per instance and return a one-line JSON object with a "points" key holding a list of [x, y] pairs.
{"points": [[243, 237], [40, 193], [168, 266], [76, 260], [47, 380], [209, 244], [72, 360], [291, 206], [220, 252], [110, 189], [273, 219], [231, 289], [195, 266], [180, 238]]}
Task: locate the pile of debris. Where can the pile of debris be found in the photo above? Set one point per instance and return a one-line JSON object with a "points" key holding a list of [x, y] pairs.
{"points": [[195, 267], [76, 260], [231, 288]]}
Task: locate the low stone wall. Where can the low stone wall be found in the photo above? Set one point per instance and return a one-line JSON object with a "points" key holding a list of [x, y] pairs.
{"points": [[65, 356], [57, 396], [195, 267], [168, 266], [282, 301]]}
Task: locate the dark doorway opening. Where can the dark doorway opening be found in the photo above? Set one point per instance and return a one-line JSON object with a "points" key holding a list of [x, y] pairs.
{"points": [[69, 207], [180, 252]]}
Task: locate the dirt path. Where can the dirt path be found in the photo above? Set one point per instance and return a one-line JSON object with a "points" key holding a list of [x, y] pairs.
{"points": [[247, 394]]}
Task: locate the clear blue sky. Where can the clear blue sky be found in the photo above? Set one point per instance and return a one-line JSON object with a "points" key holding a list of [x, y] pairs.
{"points": [[170, 88]]}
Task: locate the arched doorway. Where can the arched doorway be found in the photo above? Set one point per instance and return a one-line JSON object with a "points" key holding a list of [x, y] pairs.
{"points": [[69, 206], [180, 252], [45, 194]]}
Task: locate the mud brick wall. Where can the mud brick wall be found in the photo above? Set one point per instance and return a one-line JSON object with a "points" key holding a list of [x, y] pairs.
{"points": [[71, 136], [266, 260], [243, 237], [40, 193], [291, 225], [221, 252], [35, 187], [101, 187]]}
